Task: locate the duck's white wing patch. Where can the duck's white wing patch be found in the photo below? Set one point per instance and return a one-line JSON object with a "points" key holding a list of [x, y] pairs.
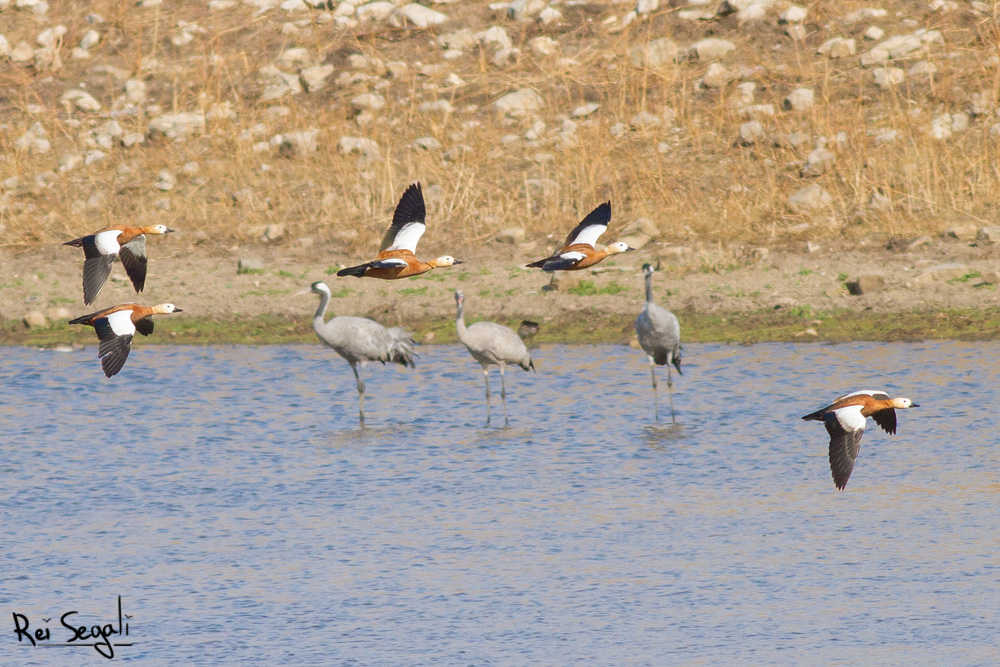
{"points": [[874, 393], [589, 234], [390, 263], [121, 323], [408, 236], [573, 256], [107, 242], [850, 418]]}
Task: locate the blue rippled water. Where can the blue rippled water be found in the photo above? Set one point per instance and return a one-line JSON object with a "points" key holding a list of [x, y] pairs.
{"points": [[228, 496]]}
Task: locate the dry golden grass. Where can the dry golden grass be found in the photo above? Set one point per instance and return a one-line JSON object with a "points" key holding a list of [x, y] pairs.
{"points": [[693, 178]]}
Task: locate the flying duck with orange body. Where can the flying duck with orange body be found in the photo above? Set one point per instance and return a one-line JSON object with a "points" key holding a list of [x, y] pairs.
{"points": [[579, 251], [396, 258], [102, 247], [845, 421], [117, 325]]}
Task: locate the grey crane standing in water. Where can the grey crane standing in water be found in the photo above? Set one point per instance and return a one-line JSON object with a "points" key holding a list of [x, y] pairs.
{"points": [[492, 344], [359, 339], [660, 337]]}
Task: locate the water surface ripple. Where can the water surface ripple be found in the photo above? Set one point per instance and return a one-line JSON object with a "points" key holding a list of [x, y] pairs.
{"points": [[228, 496]]}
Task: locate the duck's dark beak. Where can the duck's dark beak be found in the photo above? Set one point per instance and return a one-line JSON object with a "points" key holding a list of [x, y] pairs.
{"points": [[629, 249], [169, 230], [914, 405], [458, 261], [178, 310]]}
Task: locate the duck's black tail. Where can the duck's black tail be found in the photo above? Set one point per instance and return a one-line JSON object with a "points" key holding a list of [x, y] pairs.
{"points": [[356, 271], [815, 416]]}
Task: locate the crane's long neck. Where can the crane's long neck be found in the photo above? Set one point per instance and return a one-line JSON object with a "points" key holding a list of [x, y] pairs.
{"points": [[318, 318], [460, 322], [649, 289]]}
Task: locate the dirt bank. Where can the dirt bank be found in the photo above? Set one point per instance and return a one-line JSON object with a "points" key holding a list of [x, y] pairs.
{"points": [[720, 294]]}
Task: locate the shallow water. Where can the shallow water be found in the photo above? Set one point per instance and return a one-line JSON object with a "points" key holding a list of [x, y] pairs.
{"points": [[242, 516]]}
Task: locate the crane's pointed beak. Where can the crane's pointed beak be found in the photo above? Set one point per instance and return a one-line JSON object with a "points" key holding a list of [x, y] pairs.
{"points": [[305, 291]]}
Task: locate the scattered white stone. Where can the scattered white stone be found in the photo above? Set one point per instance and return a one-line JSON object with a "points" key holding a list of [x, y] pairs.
{"points": [[51, 37], [752, 110], [165, 180], [717, 76], [375, 11], [885, 135], [922, 68], [888, 77], [942, 272], [618, 129], [437, 106], [220, 111], [585, 110], [549, 15], [544, 46], [294, 6], [819, 161], [865, 13], [496, 36], [81, 99], [523, 10], [536, 130], [4, 47], [838, 47], [177, 126], [519, 103], [22, 53], [646, 6], [653, 54], [93, 156], [294, 56], [800, 99], [874, 33], [70, 161], [710, 48], [750, 132], [427, 143], [79, 54], [363, 145], [314, 78], [796, 31], [133, 138], [793, 14], [422, 17], [809, 198], [296, 144], [645, 121], [368, 102]]}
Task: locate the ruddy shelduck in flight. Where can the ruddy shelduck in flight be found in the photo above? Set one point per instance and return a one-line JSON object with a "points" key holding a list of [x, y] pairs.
{"points": [[396, 258], [845, 421], [579, 252], [117, 325], [103, 246]]}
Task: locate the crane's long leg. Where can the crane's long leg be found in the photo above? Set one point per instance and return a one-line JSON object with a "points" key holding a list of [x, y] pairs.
{"points": [[486, 378], [361, 391], [503, 397], [656, 401], [670, 393]]}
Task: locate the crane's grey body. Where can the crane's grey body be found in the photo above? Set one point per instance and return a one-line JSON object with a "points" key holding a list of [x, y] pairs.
{"points": [[359, 340], [659, 335], [492, 344]]}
